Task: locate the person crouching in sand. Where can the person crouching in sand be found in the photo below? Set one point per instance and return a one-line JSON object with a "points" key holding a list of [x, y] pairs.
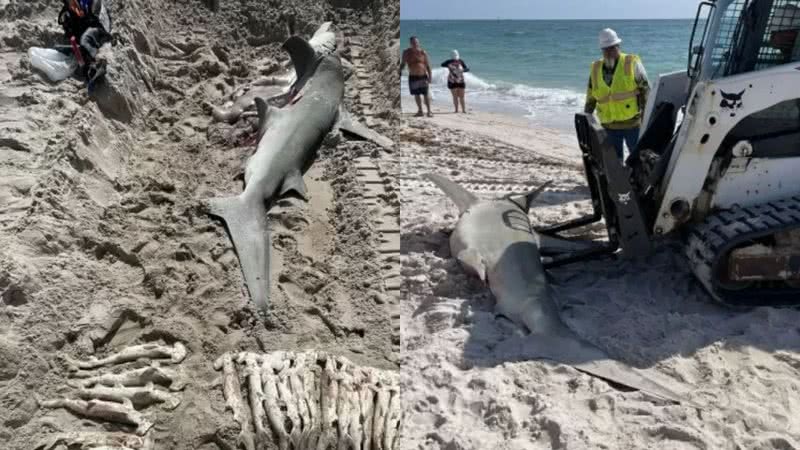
{"points": [[419, 74], [455, 80]]}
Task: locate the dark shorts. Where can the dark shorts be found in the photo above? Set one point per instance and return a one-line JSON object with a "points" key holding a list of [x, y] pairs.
{"points": [[456, 85], [418, 84]]}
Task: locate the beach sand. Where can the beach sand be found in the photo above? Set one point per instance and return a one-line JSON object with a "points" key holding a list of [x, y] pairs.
{"points": [[466, 382], [105, 242]]}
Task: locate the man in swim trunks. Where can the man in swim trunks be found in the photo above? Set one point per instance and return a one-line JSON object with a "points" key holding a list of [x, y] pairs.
{"points": [[419, 74]]}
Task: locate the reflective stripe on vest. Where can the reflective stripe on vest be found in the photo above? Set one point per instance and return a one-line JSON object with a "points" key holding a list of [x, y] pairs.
{"points": [[618, 102]]}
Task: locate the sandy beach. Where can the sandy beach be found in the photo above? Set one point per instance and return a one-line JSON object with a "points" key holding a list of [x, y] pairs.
{"points": [[105, 241], [466, 379]]}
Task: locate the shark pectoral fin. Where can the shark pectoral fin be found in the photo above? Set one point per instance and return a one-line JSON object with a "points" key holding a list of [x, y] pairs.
{"points": [[347, 124], [472, 261], [294, 182], [302, 54], [247, 227], [525, 201]]}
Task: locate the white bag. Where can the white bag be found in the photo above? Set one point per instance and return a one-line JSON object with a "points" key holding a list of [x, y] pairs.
{"points": [[56, 65]]}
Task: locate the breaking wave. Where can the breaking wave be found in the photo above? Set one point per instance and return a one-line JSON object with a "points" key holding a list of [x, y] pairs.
{"points": [[552, 105]]}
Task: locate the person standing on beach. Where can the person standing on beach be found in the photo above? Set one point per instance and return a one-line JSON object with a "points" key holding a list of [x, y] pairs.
{"points": [[455, 80], [419, 74], [618, 89]]}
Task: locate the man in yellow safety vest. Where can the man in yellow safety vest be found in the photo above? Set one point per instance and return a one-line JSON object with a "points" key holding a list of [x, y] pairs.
{"points": [[618, 89]]}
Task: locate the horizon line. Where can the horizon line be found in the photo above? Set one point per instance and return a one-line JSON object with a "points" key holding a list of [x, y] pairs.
{"points": [[540, 19]]}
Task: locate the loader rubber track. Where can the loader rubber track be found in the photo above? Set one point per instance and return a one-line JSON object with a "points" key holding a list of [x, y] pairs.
{"points": [[710, 243]]}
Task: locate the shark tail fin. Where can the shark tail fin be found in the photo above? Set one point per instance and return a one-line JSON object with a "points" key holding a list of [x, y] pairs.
{"points": [[460, 196], [567, 348], [247, 227]]}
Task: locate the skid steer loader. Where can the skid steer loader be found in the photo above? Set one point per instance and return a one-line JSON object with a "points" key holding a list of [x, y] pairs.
{"points": [[718, 161]]}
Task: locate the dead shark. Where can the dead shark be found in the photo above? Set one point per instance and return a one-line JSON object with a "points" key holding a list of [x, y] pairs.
{"points": [[288, 142], [494, 241], [276, 90]]}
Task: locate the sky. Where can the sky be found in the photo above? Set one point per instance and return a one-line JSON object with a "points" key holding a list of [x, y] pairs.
{"points": [[548, 9]]}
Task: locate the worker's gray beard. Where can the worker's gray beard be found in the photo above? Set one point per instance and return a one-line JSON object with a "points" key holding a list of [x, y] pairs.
{"points": [[609, 62]]}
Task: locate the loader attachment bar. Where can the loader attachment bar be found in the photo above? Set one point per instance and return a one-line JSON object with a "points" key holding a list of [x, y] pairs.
{"points": [[613, 199]]}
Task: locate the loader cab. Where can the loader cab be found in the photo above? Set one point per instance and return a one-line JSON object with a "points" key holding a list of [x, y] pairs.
{"points": [[730, 38], [740, 36]]}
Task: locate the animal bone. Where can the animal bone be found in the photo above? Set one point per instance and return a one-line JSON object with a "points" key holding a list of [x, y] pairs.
{"points": [[298, 391], [233, 398], [139, 396], [138, 377], [150, 350], [367, 403], [283, 382], [393, 418], [344, 412], [311, 384], [253, 375], [355, 430], [316, 401], [95, 440], [270, 384], [99, 409], [379, 417]]}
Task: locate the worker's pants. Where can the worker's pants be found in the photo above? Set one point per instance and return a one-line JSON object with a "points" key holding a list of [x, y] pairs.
{"points": [[629, 136]]}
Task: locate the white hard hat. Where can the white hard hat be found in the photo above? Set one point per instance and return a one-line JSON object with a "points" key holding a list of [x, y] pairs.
{"points": [[609, 38], [455, 55]]}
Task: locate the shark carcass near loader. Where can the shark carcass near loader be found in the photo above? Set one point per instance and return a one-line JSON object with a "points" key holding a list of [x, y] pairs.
{"points": [[494, 241]]}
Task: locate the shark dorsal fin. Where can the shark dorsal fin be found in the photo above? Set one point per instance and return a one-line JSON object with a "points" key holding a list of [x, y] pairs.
{"points": [[302, 54], [460, 196], [525, 201]]}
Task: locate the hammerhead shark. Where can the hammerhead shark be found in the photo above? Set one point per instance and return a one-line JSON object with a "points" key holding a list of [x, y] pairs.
{"points": [[494, 241], [288, 142]]}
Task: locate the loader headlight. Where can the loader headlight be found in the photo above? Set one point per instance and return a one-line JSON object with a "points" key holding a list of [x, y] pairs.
{"points": [[680, 210]]}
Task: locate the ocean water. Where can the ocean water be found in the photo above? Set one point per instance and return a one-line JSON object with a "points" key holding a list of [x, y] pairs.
{"points": [[539, 69]]}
